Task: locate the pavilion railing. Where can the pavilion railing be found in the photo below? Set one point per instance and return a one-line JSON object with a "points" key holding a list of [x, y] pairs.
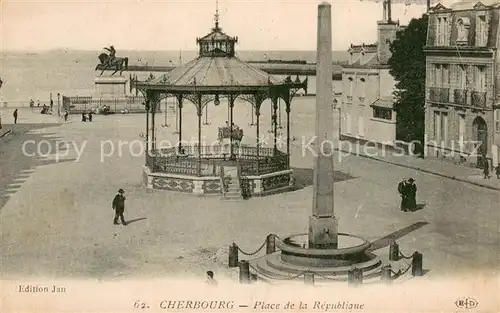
{"points": [[81, 104], [267, 165], [171, 160]]}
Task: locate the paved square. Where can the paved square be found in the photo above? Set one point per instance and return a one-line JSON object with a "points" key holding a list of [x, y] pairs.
{"points": [[56, 219]]}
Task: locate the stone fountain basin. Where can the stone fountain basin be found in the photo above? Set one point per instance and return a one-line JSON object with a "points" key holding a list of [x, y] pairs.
{"points": [[350, 250]]}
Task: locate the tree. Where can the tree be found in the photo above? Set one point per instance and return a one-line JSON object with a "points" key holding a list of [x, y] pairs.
{"points": [[407, 66]]}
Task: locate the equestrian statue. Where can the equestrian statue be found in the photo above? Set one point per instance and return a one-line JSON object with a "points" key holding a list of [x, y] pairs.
{"points": [[111, 61]]}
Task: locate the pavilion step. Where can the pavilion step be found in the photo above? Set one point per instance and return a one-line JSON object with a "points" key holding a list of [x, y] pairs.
{"points": [[233, 183], [272, 269]]}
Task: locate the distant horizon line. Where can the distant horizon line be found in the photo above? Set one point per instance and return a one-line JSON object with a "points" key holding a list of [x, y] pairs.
{"points": [[159, 50]]}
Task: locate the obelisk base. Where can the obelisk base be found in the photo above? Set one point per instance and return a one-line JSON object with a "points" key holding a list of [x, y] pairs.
{"points": [[323, 232]]}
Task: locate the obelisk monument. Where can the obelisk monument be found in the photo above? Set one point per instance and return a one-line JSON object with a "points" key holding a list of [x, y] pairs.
{"points": [[323, 224]]}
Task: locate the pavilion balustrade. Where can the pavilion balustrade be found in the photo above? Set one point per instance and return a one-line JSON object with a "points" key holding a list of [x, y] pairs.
{"points": [[169, 160], [80, 104]]}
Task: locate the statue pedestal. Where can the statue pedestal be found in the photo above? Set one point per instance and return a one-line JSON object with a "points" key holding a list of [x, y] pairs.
{"points": [[110, 87]]}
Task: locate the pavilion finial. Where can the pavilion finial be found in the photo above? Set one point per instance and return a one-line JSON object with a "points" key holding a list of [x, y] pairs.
{"points": [[216, 14]]}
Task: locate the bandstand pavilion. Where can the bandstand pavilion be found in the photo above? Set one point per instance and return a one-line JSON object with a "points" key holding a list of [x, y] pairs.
{"points": [[215, 74]]}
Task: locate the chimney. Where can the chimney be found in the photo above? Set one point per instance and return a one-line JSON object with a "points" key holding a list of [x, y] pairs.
{"points": [[386, 33]]}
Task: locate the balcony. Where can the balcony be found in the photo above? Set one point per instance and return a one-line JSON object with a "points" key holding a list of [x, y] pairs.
{"points": [[460, 96], [478, 99], [439, 94]]}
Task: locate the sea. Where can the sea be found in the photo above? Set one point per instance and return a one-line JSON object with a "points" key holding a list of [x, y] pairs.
{"points": [[37, 75]]}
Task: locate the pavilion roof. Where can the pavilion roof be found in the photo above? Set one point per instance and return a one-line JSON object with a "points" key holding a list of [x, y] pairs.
{"points": [[216, 34], [217, 72]]}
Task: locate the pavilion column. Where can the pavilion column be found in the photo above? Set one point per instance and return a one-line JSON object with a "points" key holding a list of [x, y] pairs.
{"points": [[231, 106], [275, 122], [147, 104], [179, 100], [257, 115], [200, 114], [154, 104], [288, 110]]}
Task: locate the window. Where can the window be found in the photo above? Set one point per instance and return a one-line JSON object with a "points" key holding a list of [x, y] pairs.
{"points": [[461, 128], [439, 75], [445, 76], [462, 77], [431, 75], [437, 126], [497, 120], [444, 128], [439, 31], [462, 32], [351, 88], [441, 127], [480, 78], [361, 125], [481, 31], [363, 89], [385, 114], [348, 123], [442, 31], [445, 31]]}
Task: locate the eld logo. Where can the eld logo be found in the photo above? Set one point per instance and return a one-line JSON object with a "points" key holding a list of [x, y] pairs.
{"points": [[466, 303]]}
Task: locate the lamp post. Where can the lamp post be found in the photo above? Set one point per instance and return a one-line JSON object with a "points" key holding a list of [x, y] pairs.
{"points": [[58, 104]]}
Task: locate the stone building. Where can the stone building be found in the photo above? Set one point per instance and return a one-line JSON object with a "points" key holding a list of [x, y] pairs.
{"points": [[462, 99], [367, 102]]}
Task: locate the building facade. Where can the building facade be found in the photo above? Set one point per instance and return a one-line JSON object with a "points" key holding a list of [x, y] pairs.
{"points": [[462, 99], [367, 108]]}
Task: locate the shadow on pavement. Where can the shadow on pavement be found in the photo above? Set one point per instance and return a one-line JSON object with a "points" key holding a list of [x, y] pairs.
{"points": [[303, 177], [136, 220], [419, 207], [387, 240], [16, 165]]}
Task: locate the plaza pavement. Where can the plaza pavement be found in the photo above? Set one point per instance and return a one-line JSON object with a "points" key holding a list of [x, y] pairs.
{"points": [[58, 224], [440, 167]]}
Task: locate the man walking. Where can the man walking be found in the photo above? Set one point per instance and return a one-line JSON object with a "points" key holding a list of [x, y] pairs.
{"points": [[402, 189], [486, 169], [411, 189], [15, 116], [119, 207]]}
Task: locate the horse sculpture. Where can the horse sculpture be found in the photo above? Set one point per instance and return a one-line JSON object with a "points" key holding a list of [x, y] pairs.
{"points": [[119, 64]]}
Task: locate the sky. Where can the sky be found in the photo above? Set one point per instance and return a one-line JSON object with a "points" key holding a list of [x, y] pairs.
{"points": [[267, 25]]}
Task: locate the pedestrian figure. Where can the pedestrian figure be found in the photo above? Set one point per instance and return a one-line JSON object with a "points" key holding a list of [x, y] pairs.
{"points": [[411, 196], [15, 116], [51, 104], [90, 116], [37, 103], [119, 207], [84, 117], [66, 113], [210, 278], [497, 171], [403, 193], [32, 103], [486, 169]]}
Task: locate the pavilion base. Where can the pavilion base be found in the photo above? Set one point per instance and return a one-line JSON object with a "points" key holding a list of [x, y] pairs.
{"points": [[329, 265], [261, 185]]}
